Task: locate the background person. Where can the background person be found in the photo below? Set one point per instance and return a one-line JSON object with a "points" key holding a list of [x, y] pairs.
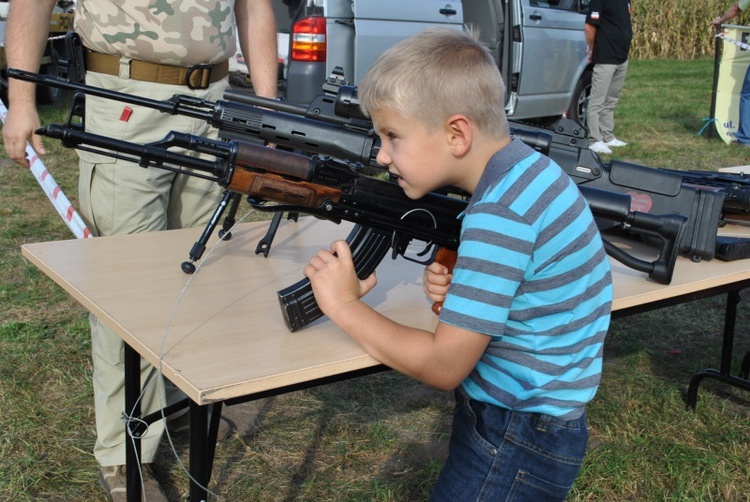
{"points": [[608, 34], [743, 128], [144, 48]]}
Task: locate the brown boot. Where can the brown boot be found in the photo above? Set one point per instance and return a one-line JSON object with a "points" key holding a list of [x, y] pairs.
{"points": [[113, 480]]}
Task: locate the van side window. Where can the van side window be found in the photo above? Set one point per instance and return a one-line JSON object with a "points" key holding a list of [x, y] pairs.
{"points": [[571, 5]]}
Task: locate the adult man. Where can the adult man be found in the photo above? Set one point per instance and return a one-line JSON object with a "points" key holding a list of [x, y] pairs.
{"points": [[743, 128], [149, 48], [608, 35]]}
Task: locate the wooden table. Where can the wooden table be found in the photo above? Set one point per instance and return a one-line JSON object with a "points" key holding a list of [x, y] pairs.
{"points": [[219, 334]]}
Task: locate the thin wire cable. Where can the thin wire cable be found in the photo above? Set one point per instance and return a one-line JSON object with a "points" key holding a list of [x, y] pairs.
{"points": [[162, 396]]}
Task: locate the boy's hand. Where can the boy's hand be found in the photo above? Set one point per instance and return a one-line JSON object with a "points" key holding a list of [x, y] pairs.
{"points": [[334, 280], [436, 280]]}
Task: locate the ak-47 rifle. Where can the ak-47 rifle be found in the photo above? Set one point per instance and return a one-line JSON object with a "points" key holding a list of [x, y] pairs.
{"points": [[331, 188]]}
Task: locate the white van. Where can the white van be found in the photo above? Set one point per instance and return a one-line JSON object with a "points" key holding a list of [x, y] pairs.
{"points": [[539, 45]]}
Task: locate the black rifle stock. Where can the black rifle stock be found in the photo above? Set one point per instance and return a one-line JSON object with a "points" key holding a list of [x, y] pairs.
{"points": [[652, 190]]}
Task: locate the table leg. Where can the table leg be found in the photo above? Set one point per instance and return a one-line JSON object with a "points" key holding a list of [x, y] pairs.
{"points": [[132, 428], [724, 372], [199, 466], [213, 431], [745, 368]]}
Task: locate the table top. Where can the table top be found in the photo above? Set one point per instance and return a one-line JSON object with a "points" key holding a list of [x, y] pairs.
{"points": [[219, 334]]}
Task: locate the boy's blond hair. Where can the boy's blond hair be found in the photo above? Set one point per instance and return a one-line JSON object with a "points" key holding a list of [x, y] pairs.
{"points": [[437, 73]]}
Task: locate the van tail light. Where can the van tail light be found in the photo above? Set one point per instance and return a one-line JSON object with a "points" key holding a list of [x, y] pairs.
{"points": [[309, 40]]}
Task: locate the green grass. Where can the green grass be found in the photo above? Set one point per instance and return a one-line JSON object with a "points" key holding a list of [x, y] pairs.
{"points": [[661, 110], [383, 437]]}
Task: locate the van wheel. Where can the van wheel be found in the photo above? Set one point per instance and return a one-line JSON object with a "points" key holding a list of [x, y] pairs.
{"points": [[580, 103]]}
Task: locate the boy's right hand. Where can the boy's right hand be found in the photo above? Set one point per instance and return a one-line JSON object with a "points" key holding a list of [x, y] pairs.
{"points": [[436, 279]]}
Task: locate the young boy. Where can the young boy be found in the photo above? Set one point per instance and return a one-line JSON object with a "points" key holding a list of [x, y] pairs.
{"points": [[527, 306]]}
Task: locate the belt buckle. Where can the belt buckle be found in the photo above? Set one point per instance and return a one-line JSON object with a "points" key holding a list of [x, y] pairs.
{"points": [[205, 76]]}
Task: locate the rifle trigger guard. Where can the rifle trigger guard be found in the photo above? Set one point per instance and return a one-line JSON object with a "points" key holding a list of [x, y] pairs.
{"points": [[430, 250], [400, 243]]}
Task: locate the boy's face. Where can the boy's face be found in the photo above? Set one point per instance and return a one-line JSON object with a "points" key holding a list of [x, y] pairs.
{"points": [[420, 158]]}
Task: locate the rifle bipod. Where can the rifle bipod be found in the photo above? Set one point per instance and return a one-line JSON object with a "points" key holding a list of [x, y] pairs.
{"points": [[264, 245], [200, 245]]}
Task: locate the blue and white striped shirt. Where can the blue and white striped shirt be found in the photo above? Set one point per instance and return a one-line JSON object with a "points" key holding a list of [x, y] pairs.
{"points": [[533, 275]]}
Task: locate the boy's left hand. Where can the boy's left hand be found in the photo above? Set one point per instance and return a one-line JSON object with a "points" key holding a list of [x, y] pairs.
{"points": [[435, 281], [334, 279]]}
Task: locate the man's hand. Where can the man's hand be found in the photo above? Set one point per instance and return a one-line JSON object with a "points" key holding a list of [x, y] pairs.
{"points": [[25, 39], [19, 128], [716, 24], [730, 14], [435, 281], [334, 279]]}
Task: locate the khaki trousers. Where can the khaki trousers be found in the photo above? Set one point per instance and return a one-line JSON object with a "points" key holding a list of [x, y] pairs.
{"points": [[119, 197], [606, 83]]}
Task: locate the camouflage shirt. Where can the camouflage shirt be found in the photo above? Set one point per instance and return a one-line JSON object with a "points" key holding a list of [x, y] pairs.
{"points": [[176, 32]]}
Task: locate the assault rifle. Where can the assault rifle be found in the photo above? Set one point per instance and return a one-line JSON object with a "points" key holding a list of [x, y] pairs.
{"points": [[340, 190], [333, 125]]}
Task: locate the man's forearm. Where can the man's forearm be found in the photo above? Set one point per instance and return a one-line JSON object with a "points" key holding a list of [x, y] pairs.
{"points": [[590, 34], [730, 14], [25, 39], [256, 28]]}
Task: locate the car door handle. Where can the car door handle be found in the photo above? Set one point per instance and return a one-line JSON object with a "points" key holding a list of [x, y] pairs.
{"points": [[535, 17], [448, 11]]}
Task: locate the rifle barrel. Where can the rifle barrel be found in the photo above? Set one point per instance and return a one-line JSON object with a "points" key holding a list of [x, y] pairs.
{"points": [[169, 106]]}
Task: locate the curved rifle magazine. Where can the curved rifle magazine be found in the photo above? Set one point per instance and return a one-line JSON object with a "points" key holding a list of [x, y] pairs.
{"points": [[369, 247]]}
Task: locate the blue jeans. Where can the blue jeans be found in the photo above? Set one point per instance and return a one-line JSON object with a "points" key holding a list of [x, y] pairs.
{"points": [[743, 130], [502, 455]]}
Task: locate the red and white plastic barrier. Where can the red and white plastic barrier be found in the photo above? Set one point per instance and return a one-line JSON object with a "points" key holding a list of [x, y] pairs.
{"points": [[741, 45], [55, 194]]}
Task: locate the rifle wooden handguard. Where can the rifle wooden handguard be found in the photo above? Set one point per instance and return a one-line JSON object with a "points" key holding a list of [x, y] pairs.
{"points": [[272, 187]]}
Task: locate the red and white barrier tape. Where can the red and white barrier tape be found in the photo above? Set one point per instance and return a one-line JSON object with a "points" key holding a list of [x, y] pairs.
{"points": [[55, 194], [741, 45]]}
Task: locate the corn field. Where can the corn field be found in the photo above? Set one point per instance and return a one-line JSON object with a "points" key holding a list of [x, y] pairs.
{"points": [[677, 29]]}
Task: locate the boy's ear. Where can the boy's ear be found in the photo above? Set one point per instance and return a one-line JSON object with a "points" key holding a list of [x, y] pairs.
{"points": [[460, 134]]}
